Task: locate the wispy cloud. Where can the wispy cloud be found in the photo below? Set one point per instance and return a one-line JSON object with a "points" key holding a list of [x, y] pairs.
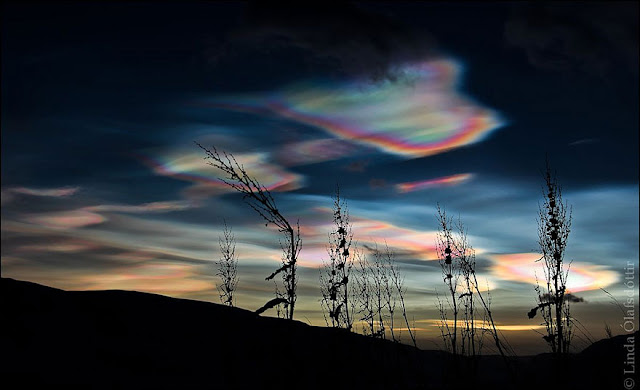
{"points": [[151, 207], [405, 242], [584, 141], [94, 215], [190, 166], [65, 219], [60, 192], [431, 183], [313, 151], [524, 268]]}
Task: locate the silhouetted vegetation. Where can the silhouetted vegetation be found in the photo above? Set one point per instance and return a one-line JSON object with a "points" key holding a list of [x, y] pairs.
{"points": [[397, 280], [465, 314], [380, 289], [365, 290], [337, 302], [259, 198], [449, 308], [554, 225], [227, 266]]}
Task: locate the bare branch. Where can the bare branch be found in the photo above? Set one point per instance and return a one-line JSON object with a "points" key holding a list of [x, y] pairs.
{"points": [[271, 304], [259, 199]]}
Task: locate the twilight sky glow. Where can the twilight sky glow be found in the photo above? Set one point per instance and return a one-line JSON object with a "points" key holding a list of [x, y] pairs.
{"points": [[403, 106]]}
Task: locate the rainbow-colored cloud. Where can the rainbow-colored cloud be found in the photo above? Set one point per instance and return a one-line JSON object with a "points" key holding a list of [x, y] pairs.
{"points": [[437, 182], [65, 219], [312, 151], [48, 192], [151, 207], [191, 166], [416, 244], [522, 267], [421, 114]]}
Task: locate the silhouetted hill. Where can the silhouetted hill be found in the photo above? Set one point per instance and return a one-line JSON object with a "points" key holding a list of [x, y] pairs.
{"points": [[129, 339], [125, 339]]}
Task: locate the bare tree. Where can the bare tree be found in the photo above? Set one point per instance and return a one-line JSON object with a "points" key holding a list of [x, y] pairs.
{"points": [[334, 275], [554, 225], [227, 266], [259, 198]]}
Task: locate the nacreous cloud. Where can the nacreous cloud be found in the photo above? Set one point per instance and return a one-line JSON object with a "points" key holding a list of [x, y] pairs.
{"points": [[59, 192], [522, 267], [421, 114], [50, 192], [191, 166], [431, 183], [65, 219], [368, 233]]}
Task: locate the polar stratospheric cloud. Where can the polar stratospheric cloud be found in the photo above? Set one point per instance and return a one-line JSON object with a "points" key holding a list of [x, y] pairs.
{"points": [[522, 267], [421, 114]]}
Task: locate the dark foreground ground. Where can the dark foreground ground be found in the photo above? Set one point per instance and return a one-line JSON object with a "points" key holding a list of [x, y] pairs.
{"points": [[52, 338]]}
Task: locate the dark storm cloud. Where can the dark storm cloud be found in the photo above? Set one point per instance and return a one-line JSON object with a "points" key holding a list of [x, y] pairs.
{"points": [[596, 37], [357, 41]]}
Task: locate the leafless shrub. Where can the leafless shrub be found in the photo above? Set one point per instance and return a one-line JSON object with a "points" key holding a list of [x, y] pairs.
{"points": [[227, 266], [337, 302], [450, 275], [465, 314], [397, 280], [554, 225], [383, 312], [365, 296], [380, 288], [259, 198]]}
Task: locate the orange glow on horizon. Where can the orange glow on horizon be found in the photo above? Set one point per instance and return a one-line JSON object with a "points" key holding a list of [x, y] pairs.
{"points": [[482, 325]]}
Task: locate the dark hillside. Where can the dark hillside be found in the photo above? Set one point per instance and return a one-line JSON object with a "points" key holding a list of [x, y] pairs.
{"points": [[125, 339], [136, 340]]}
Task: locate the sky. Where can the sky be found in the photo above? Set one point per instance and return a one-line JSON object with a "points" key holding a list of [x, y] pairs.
{"points": [[404, 106]]}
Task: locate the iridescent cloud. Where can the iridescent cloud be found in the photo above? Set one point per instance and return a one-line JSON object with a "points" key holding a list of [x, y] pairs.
{"points": [[313, 151], [152, 277], [522, 267], [420, 115], [431, 183], [66, 219], [151, 207], [50, 192], [419, 244], [62, 245], [368, 233], [92, 215], [191, 166]]}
